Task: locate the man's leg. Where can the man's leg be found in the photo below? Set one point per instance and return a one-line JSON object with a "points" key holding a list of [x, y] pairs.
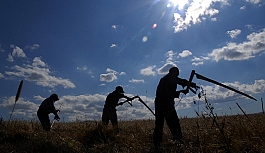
{"points": [[105, 118], [114, 120], [47, 124], [44, 120], [174, 125], [158, 131]]}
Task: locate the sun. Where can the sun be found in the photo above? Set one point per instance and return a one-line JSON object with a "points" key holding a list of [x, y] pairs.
{"points": [[179, 3]]}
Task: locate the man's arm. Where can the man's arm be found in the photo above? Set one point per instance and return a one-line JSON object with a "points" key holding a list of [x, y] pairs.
{"points": [[127, 99], [54, 111], [184, 83], [178, 93]]}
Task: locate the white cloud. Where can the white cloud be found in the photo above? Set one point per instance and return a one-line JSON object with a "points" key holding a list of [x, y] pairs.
{"points": [[197, 61], [148, 71], [38, 98], [211, 12], [165, 68], [242, 7], [38, 62], [33, 47], [213, 19], [255, 43], [40, 74], [185, 53], [257, 87], [196, 10], [23, 106], [170, 61], [109, 77], [136, 81], [71, 106], [170, 54], [234, 33], [84, 68], [10, 58], [18, 52], [1, 75], [249, 26], [113, 45], [114, 26], [122, 73], [254, 1], [111, 71]]}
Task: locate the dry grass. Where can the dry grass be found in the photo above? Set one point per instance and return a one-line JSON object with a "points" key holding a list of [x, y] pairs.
{"points": [[200, 135]]}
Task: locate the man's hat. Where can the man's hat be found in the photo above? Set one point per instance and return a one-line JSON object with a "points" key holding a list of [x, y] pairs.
{"points": [[120, 89], [55, 97]]}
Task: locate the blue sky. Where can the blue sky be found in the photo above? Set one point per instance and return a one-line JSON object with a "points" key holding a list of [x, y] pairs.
{"points": [[82, 50]]}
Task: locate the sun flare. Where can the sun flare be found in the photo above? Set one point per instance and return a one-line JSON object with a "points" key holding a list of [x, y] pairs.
{"points": [[179, 3]]}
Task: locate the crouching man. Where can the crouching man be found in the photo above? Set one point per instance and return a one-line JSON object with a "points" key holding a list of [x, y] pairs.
{"points": [[47, 107]]}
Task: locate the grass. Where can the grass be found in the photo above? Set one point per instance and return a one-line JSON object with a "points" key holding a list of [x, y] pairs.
{"points": [[240, 134], [204, 134]]}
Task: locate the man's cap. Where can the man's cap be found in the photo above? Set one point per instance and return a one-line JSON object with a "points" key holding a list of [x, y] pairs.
{"points": [[55, 97], [120, 89]]}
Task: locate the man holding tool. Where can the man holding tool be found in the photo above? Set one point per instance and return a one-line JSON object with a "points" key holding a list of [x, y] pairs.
{"points": [[164, 105], [47, 107], [109, 110]]}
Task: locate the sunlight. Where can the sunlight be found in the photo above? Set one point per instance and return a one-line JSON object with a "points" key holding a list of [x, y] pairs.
{"points": [[179, 3]]}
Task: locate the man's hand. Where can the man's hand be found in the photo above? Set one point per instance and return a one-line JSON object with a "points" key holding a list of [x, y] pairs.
{"points": [[56, 117], [121, 103], [184, 91], [130, 99], [194, 85]]}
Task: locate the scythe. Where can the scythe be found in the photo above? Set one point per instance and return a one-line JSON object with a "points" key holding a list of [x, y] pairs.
{"points": [[139, 98], [198, 76]]}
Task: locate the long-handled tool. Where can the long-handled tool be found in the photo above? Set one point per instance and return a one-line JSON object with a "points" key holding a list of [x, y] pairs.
{"points": [[56, 119], [139, 99], [129, 101], [198, 76]]}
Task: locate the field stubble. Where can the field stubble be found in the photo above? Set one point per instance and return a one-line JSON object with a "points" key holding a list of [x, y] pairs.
{"points": [[234, 134]]}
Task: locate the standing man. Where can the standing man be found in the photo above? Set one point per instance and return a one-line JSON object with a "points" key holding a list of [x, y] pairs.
{"points": [[109, 110], [47, 107], [164, 106]]}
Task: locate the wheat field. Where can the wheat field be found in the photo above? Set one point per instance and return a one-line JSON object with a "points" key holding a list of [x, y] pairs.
{"points": [[239, 133]]}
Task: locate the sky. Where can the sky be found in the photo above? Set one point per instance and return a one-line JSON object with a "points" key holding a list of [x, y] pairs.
{"points": [[81, 50]]}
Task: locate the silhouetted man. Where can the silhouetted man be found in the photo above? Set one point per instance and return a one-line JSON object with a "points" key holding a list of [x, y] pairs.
{"points": [[109, 110], [164, 105], [47, 107]]}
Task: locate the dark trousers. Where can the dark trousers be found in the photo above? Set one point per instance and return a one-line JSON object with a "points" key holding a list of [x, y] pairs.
{"points": [[109, 114], [170, 115], [43, 116]]}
